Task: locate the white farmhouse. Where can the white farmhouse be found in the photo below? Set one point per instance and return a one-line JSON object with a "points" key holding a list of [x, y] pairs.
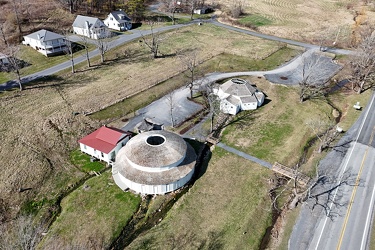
{"points": [[238, 94], [46, 42], [90, 27], [154, 162], [104, 143], [118, 20]]}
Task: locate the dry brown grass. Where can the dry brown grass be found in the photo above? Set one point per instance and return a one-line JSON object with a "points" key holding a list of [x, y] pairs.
{"points": [[308, 20], [38, 127]]}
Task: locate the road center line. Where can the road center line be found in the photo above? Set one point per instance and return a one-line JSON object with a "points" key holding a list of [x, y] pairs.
{"points": [[354, 193], [341, 174]]}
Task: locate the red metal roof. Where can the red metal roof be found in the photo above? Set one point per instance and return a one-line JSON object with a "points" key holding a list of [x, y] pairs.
{"points": [[104, 139]]}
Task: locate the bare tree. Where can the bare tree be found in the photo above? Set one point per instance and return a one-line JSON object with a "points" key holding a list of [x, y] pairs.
{"points": [[15, 63], [171, 6], [69, 51], [171, 104], [2, 34], [85, 41], [193, 4], [16, 9], [313, 75], [320, 191], [103, 47], [189, 64], [237, 8], [153, 42], [324, 130], [24, 233], [362, 65], [70, 4], [213, 101]]}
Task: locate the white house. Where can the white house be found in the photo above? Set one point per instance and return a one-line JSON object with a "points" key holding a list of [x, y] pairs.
{"points": [[237, 94], [104, 143], [118, 20], [91, 27], [154, 162], [46, 42]]}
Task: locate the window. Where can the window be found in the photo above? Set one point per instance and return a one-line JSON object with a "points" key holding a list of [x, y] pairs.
{"points": [[84, 147], [111, 18], [102, 154]]}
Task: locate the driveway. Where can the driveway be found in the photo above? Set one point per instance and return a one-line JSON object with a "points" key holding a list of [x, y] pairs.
{"points": [[159, 111]]}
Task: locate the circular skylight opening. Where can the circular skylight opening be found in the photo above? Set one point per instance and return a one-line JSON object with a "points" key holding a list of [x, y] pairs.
{"points": [[155, 140]]}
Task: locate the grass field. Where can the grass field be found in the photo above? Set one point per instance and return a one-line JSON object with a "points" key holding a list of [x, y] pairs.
{"points": [[42, 124], [40, 127], [227, 208], [208, 216], [304, 21], [93, 214]]}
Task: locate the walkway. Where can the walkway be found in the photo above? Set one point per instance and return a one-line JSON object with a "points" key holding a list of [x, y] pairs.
{"points": [[244, 155]]}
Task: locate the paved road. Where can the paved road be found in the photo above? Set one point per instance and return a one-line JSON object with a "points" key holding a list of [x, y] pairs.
{"points": [[133, 34], [351, 225]]}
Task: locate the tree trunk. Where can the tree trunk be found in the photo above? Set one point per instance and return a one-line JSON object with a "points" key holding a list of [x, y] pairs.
{"points": [[17, 20], [19, 80], [87, 56], [72, 62]]}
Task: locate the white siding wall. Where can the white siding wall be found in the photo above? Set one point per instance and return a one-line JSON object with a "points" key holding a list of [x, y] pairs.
{"points": [[153, 189], [249, 106], [228, 108], [103, 156]]}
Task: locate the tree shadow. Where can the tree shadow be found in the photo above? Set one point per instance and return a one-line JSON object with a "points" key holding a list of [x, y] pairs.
{"points": [[136, 25]]}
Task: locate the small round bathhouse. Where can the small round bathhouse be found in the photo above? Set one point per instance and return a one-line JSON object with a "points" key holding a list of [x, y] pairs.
{"points": [[154, 162]]}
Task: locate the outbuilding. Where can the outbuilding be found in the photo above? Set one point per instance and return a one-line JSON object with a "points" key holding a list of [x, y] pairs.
{"points": [[237, 94], [104, 143], [154, 162]]}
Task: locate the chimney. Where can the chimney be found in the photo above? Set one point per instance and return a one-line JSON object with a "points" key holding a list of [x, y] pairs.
{"points": [[38, 36], [87, 24]]}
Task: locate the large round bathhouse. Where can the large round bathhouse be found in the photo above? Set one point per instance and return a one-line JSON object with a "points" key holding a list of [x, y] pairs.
{"points": [[154, 162]]}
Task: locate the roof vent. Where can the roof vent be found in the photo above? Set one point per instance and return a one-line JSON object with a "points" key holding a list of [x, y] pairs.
{"points": [[155, 140]]}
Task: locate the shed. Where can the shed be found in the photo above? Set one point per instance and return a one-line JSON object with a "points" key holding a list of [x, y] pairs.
{"points": [[104, 143]]}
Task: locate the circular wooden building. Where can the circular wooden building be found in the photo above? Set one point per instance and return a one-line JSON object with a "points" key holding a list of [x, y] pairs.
{"points": [[154, 162]]}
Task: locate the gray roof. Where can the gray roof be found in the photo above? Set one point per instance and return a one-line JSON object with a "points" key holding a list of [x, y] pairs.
{"points": [[158, 178], [172, 153], [120, 16], [238, 87], [44, 35], [140, 152], [81, 20], [233, 100], [248, 99]]}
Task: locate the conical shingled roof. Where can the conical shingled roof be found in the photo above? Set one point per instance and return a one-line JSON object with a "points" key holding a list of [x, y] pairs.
{"points": [[155, 149]]}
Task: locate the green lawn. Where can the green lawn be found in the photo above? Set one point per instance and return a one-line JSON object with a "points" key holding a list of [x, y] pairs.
{"points": [[227, 208], [255, 19], [38, 61], [97, 211], [82, 161]]}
